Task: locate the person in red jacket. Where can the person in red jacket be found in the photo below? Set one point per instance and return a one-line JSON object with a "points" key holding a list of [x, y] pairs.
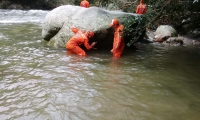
{"points": [[80, 37], [141, 8], [85, 4], [118, 43]]}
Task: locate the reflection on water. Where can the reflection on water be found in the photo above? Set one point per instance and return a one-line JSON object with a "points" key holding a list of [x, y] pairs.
{"points": [[39, 82]]}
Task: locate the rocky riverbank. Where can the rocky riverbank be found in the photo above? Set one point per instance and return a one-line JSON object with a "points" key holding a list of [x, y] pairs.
{"points": [[166, 34]]}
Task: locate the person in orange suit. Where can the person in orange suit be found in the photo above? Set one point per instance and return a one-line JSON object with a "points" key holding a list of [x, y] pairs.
{"points": [[118, 43], [85, 4], [80, 37], [141, 8]]}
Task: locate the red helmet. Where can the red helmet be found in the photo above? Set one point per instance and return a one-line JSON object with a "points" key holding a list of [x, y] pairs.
{"points": [[90, 33], [114, 22]]}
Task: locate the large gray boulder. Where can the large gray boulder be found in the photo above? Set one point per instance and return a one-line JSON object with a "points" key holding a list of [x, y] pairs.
{"points": [[58, 23], [163, 32]]}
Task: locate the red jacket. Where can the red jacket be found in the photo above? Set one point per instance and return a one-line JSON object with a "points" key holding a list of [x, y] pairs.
{"points": [[85, 4], [80, 37], [118, 43], [141, 9]]}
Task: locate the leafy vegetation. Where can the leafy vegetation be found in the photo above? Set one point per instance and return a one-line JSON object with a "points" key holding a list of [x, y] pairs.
{"points": [[183, 15]]}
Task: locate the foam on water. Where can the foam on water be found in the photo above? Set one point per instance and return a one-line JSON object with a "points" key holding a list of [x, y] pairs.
{"points": [[22, 16]]}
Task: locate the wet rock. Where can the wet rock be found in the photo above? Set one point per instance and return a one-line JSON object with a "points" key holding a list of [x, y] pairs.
{"points": [[175, 40], [163, 32], [160, 38]]}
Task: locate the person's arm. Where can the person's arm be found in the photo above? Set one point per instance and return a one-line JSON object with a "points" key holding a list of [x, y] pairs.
{"points": [[119, 38], [137, 9], [145, 9], [81, 4], [88, 5], [75, 30], [87, 45]]}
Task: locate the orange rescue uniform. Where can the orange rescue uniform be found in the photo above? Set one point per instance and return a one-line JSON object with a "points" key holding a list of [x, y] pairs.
{"points": [[141, 9], [80, 37], [85, 4], [118, 44]]}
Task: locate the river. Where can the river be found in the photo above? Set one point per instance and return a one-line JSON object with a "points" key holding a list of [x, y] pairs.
{"points": [[39, 82]]}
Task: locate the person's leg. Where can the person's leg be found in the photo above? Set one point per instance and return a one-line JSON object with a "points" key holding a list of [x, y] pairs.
{"points": [[117, 54], [79, 51], [68, 52]]}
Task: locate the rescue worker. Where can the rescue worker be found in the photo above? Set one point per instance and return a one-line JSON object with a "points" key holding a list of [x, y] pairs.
{"points": [[85, 4], [118, 43], [141, 8], [80, 37]]}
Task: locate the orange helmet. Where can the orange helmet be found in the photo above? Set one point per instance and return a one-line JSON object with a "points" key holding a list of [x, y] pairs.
{"points": [[90, 33], [114, 22]]}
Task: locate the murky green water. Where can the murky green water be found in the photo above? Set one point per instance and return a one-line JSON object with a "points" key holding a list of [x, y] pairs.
{"points": [[38, 82]]}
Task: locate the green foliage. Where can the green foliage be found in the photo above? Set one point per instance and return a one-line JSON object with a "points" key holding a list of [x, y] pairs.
{"points": [[134, 29], [163, 12], [183, 15], [4, 4]]}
